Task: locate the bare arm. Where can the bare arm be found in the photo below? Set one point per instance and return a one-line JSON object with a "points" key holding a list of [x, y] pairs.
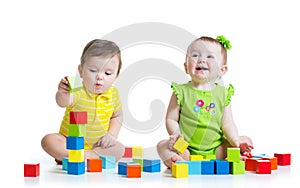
{"points": [[116, 123], [172, 116], [229, 127], [63, 97]]}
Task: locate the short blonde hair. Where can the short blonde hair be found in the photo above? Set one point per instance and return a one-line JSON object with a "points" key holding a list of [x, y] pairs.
{"points": [[103, 48]]}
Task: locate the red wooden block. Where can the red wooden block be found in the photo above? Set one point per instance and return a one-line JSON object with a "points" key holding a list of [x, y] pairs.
{"points": [[32, 170], [134, 170], [94, 165], [78, 117], [128, 153], [283, 159], [251, 164], [273, 161], [263, 167]]}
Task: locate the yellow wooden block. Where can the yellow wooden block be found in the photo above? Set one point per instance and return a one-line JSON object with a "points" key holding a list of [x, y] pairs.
{"points": [[180, 170], [76, 155], [137, 151], [180, 145], [196, 157]]}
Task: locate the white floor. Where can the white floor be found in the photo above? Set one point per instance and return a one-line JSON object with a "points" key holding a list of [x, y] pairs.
{"points": [[52, 175]]}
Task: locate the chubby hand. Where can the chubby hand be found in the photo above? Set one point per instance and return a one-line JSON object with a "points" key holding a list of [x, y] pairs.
{"points": [[245, 147], [63, 86], [106, 141], [173, 138]]}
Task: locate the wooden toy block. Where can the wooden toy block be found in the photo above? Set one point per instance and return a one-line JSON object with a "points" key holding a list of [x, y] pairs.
{"points": [[210, 157], [283, 159], [180, 145], [134, 170], [77, 130], [122, 167], [251, 164], [108, 162], [76, 168], [74, 83], [237, 167], [180, 170], [196, 157], [65, 161], [137, 151], [32, 170], [222, 167], [139, 161], [233, 154], [79, 117], [194, 167], [207, 167], [75, 143], [76, 155], [259, 155], [94, 165], [151, 165], [128, 152], [273, 161], [263, 167]]}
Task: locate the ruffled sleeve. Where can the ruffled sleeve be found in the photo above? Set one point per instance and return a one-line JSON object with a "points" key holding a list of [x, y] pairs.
{"points": [[176, 90], [230, 92]]}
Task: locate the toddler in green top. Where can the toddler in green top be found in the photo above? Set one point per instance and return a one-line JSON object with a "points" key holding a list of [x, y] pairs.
{"points": [[199, 111]]}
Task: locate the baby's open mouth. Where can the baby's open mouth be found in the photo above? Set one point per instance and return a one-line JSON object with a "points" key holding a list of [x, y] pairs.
{"points": [[201, 68]]}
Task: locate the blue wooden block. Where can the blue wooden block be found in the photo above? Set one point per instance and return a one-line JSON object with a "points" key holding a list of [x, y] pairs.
{"points": [[194, 167], [222, 167], [76, 168], [75, 143], [151, 165], [108, 162], [122, 167], [207, 167], [65, 161]]}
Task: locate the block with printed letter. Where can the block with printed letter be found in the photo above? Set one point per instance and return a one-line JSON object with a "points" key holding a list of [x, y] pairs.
{"points": [[78, 117], [32, 170], [180, 145]]}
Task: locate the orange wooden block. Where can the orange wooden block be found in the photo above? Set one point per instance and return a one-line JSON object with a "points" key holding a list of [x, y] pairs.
{"points": [[94, 165], [134, 170]]}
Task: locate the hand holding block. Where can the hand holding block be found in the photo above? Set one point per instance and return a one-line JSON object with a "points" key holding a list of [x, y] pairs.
{"points": [[180, 145]]}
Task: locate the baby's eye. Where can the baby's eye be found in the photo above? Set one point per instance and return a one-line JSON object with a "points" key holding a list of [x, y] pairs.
{"points": [[195, 55], [93, 70], [108, 73], [210, 56]]}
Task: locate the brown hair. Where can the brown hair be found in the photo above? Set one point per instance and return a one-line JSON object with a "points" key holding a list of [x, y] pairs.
{"points": [[103, 48], [212, 40]]}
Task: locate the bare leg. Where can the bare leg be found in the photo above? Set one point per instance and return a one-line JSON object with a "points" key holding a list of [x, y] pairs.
{"points": [[168, 156], [55, 145], [117, 150]]}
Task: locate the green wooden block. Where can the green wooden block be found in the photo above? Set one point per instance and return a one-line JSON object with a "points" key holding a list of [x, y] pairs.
{"points": [[139, 161], [77, 130], [74, 83], [210, 157], [233, 154], [237, 167]]}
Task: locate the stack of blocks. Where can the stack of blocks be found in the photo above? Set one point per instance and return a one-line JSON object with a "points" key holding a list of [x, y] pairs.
{"points": [[75, 143]]}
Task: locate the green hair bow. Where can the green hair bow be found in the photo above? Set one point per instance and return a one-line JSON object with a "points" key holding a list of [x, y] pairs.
{"points": [[224, 42]]}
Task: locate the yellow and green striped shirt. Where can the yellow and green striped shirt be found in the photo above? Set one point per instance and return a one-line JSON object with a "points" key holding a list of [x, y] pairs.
{"points": [[99, 107]]}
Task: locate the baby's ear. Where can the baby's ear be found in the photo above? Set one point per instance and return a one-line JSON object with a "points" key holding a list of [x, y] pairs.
{"points": [[224, 69], [185, 67], [80, 70]]}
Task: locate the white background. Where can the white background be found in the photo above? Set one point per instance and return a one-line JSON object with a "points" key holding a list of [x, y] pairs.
{"points": [[41, 42]]}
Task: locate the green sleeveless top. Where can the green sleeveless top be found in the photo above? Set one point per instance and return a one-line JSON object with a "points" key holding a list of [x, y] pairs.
{"points": [[201, 115]]}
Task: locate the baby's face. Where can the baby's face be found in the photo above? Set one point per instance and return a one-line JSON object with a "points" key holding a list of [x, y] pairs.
{"points": [[99, 73], [205, 62]]}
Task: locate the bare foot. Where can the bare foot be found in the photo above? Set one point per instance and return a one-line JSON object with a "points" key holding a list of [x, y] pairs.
{"points": [[176, 158]]}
